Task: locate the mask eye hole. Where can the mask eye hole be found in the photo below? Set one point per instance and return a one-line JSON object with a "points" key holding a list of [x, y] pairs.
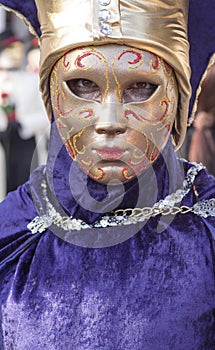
{"points": [[139, 92], [85, 89]]}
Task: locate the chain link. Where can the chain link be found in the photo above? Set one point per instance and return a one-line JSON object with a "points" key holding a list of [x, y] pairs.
{"points": [[148, 211], [166, 206]]}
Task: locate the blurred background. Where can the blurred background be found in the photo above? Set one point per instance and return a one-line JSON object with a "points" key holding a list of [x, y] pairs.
{"points": [[199, 145], [24, 126]]}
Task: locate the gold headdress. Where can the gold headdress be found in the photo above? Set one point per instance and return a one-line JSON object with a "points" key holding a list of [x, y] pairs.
{"points": [[159, 26]]}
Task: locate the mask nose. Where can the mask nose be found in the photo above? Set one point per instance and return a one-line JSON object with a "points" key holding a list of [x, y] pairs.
{"points": [[110, 129], [110, 119]]}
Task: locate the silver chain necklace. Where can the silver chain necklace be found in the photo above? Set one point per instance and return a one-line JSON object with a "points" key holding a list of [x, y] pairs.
{"points": [[120, 217]]}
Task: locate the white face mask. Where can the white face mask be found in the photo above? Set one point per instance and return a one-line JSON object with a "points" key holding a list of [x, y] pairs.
{"points": [[114, 107]]}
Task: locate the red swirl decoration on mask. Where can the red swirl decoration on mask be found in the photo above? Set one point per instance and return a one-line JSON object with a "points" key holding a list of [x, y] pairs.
{"points": [[59, 109], [164, 102], [129, 112], [167, 68], [168, 129], [79, 59], [125, 175], [99, 177], [154, 155], [89, 113], [143, 163], [136, 60], [65, 64], [137, 168], [85, 167], [69, 149], [155, 64]]}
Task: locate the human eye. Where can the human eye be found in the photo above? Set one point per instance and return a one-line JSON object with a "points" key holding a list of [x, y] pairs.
{"points": [[84, 88], [139, 91]]}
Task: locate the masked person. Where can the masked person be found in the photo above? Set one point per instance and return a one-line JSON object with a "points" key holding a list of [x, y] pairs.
{"points": [[111, 244]]}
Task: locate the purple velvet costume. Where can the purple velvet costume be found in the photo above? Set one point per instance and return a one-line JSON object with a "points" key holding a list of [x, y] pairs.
{"points": [[155, 290]]}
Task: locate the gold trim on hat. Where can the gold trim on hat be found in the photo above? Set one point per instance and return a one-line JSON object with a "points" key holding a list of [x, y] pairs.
{"points": [[23, 18]]}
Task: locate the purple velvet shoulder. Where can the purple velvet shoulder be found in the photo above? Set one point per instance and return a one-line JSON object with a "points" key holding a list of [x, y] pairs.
{"points": [[201, 35], [25, 8], [16, 211]]}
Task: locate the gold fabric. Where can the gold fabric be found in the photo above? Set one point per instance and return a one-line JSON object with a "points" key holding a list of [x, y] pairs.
{"points": [[159, 26]]}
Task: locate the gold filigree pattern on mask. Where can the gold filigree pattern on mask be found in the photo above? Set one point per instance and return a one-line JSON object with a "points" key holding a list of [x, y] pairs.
{"points": [[85, 162], [75, 140], [170, 85], [100, 57], [174, 105], [54, 84], [118, 86], [59, 97], [140, 157], [167, 126], [155, 151], [155, 63], [70, 149], [66, 64], [140, 165], [57, 93], [101, 174], [69, 144], [164, 102], [62, 129], [134, 64], [54, 79], [168, 71], [125, 174]]}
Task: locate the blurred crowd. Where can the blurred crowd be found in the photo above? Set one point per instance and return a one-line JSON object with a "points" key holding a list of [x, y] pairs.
{"points": [[202, 144], [24, 126], [199, 145]]}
